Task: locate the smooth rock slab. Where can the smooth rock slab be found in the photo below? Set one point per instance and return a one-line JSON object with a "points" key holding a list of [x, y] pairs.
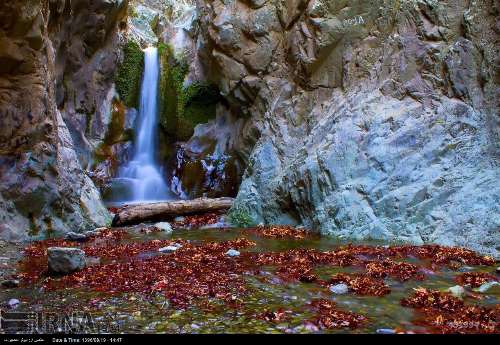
{"points": [[339, 289], [65, 260]]}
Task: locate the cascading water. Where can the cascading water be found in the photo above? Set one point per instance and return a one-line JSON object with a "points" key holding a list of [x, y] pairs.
{"points": [[142, 174]]}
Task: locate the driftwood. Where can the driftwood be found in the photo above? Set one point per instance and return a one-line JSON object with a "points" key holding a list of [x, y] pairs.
{"points": [[135, 214]]}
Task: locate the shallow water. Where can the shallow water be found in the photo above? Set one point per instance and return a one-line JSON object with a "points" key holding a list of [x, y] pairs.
{"points": [[135, 312]]}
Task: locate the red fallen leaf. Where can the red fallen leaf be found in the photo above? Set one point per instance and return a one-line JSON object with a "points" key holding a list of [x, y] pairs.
{"points": [[198, 220], [475, 279], [400, 270], [361, 285], [450, 315], [328, 316], [444, 255], [190, 273], [279, 231]]}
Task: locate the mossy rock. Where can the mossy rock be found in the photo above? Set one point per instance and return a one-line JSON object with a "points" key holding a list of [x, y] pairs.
{"points": [[183, 107], [129, 74], [115, 134]]}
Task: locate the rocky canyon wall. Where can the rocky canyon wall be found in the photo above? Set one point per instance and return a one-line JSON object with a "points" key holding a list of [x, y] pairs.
{"points": [[57, 62], [362, 119]]}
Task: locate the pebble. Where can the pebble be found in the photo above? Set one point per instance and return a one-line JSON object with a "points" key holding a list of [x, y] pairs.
{"points": [[11, 283], [232, 252], [339, 289], [170, 249], [13, 303], [457, 291], [385, 331], [486, 286], [164, 226]]}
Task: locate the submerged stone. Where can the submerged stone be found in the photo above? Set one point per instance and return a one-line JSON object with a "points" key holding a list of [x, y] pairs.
{"points": [[487, 286], [65, 260]]}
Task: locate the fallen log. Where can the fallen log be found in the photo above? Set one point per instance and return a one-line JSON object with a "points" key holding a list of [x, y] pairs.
{"points": [[158, 211]]}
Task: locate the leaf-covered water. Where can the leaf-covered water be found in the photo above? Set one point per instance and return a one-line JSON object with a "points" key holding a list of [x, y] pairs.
{"points": [[271, 304]]}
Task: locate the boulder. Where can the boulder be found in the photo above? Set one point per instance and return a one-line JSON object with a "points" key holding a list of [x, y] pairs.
{"points": [[65, 260]]}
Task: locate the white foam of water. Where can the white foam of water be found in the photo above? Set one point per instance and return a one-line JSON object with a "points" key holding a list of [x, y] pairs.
{"points": [[142, 172]]}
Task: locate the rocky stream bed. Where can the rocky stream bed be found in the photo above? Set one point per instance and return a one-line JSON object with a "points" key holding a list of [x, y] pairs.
{"points": [[198, 279]]}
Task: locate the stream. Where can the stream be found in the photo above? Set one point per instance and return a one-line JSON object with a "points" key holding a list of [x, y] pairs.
{"points": [[270, 304]]}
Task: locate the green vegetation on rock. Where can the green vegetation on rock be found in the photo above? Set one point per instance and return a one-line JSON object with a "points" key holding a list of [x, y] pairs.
{"points": [[240, 217], [128, 77], [116, 133], [183, 107]]}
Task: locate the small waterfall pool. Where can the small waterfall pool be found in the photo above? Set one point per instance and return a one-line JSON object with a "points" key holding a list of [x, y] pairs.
{"points": [[141, 179]]}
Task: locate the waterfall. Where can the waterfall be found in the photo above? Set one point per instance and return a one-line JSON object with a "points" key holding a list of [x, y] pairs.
{"points": [[142, 174]]}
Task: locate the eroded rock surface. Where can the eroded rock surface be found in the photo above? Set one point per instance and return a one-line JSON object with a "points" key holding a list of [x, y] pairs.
{"points": [[364, 119], [57, 63]]}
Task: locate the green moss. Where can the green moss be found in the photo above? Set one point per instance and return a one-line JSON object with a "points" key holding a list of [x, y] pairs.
{"points": [[115, 134], [183, 107], [128, 77], [239, 216]]}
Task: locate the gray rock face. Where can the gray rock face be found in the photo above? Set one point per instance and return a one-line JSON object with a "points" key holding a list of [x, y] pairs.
{"points": [[65, 260], [373, 120], [57, 60]]}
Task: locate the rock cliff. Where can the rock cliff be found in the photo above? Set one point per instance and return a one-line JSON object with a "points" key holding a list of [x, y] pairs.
{"points": [[57, 62], [363, 119]]}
